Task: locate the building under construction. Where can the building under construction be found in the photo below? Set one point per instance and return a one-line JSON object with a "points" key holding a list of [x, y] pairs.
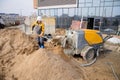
{"points": [[97, 13]]}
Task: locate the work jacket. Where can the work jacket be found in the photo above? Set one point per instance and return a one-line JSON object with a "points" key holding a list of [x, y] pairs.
{"points": [[41, 26]]}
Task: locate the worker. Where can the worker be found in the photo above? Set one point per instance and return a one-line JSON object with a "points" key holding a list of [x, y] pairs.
{"points": [[38, 28]]}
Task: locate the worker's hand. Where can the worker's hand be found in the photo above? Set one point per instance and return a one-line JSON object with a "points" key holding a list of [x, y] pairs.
{"points": [[40, 35]]}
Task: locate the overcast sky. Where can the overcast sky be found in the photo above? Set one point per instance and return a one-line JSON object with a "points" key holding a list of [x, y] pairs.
{"points": [[24, 7]]}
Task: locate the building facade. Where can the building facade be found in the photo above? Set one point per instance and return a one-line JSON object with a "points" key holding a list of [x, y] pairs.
{"points": [[35, 4], [102, 13]]}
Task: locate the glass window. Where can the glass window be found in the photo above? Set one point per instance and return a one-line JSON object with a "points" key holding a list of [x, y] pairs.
{"points": [[81, 5], [104, 12], [102, 4], [117, 3], [116, 11], [88, 4], [81, 1], [108, 11], [39, 12], [102, 0], [59, 12], [42, 12], [96, 2], [101, 11], [108, 0], [97, 11], [85, 12], [47, 12], [65, 11], [108, 3], [71, 12], [91, 12], [52, 12], [79, 11], [56, 12], [76, 11], [88, 0]]}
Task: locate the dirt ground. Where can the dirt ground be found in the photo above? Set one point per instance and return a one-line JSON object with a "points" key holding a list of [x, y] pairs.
{"points": [[21, 59]]}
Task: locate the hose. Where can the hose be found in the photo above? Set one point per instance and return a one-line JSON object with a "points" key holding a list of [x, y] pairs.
{"points": [[88, 64], [93, 61], [115, 75], [107, 37]]}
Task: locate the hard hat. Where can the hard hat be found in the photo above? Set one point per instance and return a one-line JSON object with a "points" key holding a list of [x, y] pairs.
{"points": [[39, 18]]}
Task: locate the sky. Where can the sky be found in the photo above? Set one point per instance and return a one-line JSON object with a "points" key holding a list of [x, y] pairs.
{"points": [[22, 7], [25, 7]]}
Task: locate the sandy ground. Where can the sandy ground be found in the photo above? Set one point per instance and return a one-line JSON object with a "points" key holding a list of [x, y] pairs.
{"points": [[21, 59]]}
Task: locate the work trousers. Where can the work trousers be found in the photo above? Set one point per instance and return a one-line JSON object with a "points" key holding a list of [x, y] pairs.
{"points": [[41, 42]]}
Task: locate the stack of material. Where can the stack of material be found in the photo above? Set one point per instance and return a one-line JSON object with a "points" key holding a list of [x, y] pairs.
{"points": [[76, 25], [60, 31], [49, 25], [114, 40], [84, 25]]}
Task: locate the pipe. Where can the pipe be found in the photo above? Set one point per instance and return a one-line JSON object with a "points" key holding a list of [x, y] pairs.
{"points": [[88, 64], [115, 75]]}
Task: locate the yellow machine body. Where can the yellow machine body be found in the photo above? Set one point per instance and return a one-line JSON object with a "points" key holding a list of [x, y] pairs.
{"points": [[93, 36]]}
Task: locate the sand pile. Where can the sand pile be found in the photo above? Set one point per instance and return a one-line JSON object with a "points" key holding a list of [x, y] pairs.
{"points": [[44, 65], [19, 60], [14, 40], [12, 43]]}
